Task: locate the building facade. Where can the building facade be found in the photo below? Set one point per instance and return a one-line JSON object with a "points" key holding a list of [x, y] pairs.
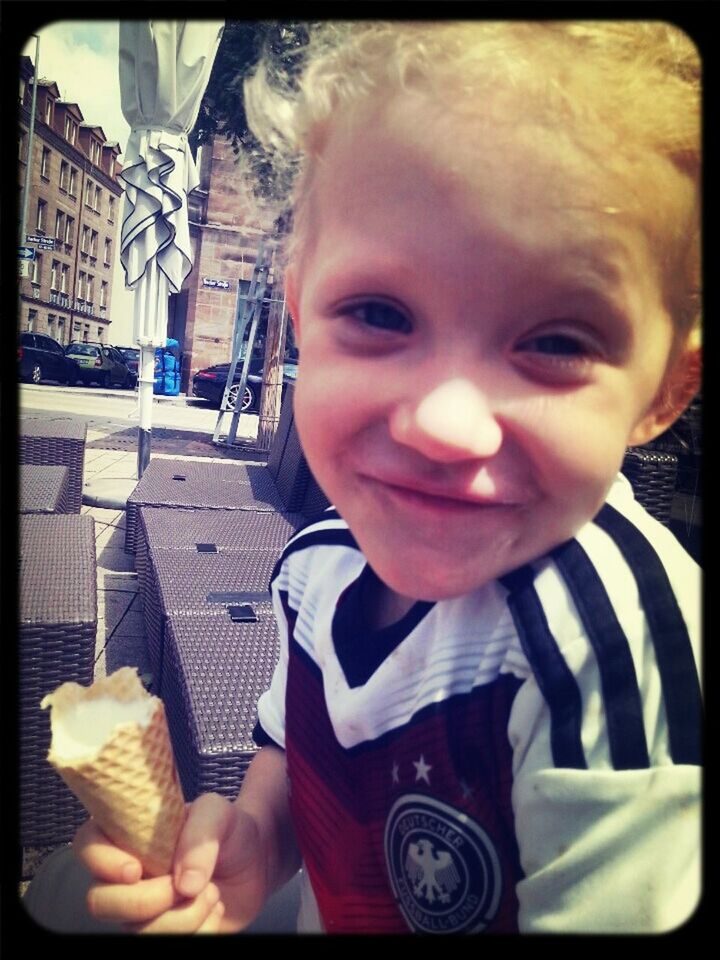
{"points": [[73, 216], [226, 234]]}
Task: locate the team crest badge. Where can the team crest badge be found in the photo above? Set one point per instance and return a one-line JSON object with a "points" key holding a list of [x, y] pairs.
{"points": [[443, 867]]}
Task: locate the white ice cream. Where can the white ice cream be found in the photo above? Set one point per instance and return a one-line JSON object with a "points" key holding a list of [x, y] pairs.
{"points": [[83, 729]]}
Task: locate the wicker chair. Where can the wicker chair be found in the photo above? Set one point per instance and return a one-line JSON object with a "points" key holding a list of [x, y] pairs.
{"points": [[56, 442], [44, 489], [58, 624], [653, 476]]}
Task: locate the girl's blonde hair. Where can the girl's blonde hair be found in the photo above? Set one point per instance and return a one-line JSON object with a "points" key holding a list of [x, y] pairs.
{"points": [[637, 83]]}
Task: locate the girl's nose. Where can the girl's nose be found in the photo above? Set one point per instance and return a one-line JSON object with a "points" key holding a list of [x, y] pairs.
{"points": [[451, 422]]}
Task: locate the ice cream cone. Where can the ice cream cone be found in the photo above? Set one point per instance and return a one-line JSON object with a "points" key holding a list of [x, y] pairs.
{"points": [[111, 746]]}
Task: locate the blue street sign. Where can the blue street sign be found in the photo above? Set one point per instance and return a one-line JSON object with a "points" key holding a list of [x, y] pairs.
{"points": [[26, 253]]}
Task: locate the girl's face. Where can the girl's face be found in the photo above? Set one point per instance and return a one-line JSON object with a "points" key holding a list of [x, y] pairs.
{"points": [[480, 339]]}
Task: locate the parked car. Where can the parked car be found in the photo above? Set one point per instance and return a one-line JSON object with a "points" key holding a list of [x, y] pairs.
{"points": [[209, 383], [131, 356], [102, 364], [42, 358]]}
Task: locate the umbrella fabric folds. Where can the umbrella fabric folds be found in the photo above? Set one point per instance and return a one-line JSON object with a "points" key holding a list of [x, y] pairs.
{"points": [[164, 70]]}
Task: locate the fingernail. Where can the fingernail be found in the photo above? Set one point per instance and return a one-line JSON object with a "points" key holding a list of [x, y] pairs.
{"points": [[212, 895], [191, 882]]}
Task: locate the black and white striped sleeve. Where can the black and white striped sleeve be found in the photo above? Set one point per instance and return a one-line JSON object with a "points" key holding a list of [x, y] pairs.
{"points": [[606, 732]]}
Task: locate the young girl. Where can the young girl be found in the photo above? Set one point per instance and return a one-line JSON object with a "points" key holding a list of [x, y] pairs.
{"points": [[486, 712]]}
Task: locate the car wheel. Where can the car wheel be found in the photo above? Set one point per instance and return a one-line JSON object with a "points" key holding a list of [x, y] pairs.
{"points": [[247, 400], [36, 373]]}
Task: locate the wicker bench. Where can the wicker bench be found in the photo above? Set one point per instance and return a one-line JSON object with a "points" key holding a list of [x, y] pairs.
{"points": [[216, 670], [180, 583], [56, 442], [43, 489], [284, 485], [58, 624]]}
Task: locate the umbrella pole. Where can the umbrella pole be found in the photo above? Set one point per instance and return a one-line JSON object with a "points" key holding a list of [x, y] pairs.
{"points": [[145, 400]]}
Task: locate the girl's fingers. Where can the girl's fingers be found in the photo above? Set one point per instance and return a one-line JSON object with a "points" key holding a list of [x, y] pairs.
{"points": [[200, 915], [209, 821], [135, 903], [104, 859]]}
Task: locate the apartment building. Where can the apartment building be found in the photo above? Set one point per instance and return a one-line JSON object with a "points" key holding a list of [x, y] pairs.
{"points": [[73, 216]]}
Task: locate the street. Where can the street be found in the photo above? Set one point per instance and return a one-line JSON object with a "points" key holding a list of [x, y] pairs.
{"points": [[114, 413]]}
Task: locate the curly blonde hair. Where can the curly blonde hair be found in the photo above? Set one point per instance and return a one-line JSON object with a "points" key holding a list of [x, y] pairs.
{"points": [[635, 82]]}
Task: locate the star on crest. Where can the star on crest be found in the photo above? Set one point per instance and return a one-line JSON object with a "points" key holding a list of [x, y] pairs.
{"points": [[395, 773], [422, 769]]}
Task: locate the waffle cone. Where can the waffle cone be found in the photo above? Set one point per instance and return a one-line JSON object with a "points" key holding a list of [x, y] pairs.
{"points": [[130, 784]]}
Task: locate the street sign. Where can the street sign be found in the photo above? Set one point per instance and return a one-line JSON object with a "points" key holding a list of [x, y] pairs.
{"points": [[26, 253], [47, 243], [217, 284]]}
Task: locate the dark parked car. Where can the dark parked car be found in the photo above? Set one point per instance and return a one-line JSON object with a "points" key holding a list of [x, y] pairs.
{"points": [[102, 364], [209, 384], [42, 358], [131, 356]]}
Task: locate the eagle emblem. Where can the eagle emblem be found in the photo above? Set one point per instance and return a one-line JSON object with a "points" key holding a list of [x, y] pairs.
{"points": [[443, 867], [433, 875]]}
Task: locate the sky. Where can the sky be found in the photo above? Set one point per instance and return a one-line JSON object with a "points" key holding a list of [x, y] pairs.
{"points": [[81, 56]]}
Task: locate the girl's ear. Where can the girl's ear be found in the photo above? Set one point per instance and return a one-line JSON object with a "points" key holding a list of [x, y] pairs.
{"points": [[291, 298], [680, 386]]}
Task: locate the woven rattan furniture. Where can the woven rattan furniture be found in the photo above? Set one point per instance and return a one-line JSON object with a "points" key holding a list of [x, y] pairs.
{"points": [[216, 670], [190, 484], [43, 489], [58, 623], [653, 476], [56, 442], [183, 583]]}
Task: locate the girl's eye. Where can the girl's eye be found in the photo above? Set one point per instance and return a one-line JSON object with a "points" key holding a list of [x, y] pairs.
{"points": [[555, 345], [379, 315]]}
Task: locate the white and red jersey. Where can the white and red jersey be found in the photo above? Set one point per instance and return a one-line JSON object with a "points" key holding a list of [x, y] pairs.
{"points": [[526, 757]]}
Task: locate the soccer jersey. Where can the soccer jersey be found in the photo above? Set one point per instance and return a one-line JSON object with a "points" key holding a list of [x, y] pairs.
{"points": [[525, 757]]}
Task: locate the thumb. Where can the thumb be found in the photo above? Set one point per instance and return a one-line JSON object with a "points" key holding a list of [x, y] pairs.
{"points": [[209, 822]]}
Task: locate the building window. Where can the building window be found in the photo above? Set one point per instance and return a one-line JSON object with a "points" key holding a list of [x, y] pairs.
{"points": [[95, 152], [69, 230], [81, 286], [54, 274], [61, 330], [51, 325], [41, 216], [86, 332], [98, 199], [45, 164], [59, 225], [73, 182], [89, 193], [100, 333], [65, 279], [64, 175], [111, 209], [85, 244], [93, 243], [31, 320], [70, 130], [89, 291], [103, 294], [36, 269], [49, 111]]}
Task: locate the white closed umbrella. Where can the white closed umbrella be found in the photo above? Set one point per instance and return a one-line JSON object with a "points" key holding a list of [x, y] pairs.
{"points": [[164, 70]]}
